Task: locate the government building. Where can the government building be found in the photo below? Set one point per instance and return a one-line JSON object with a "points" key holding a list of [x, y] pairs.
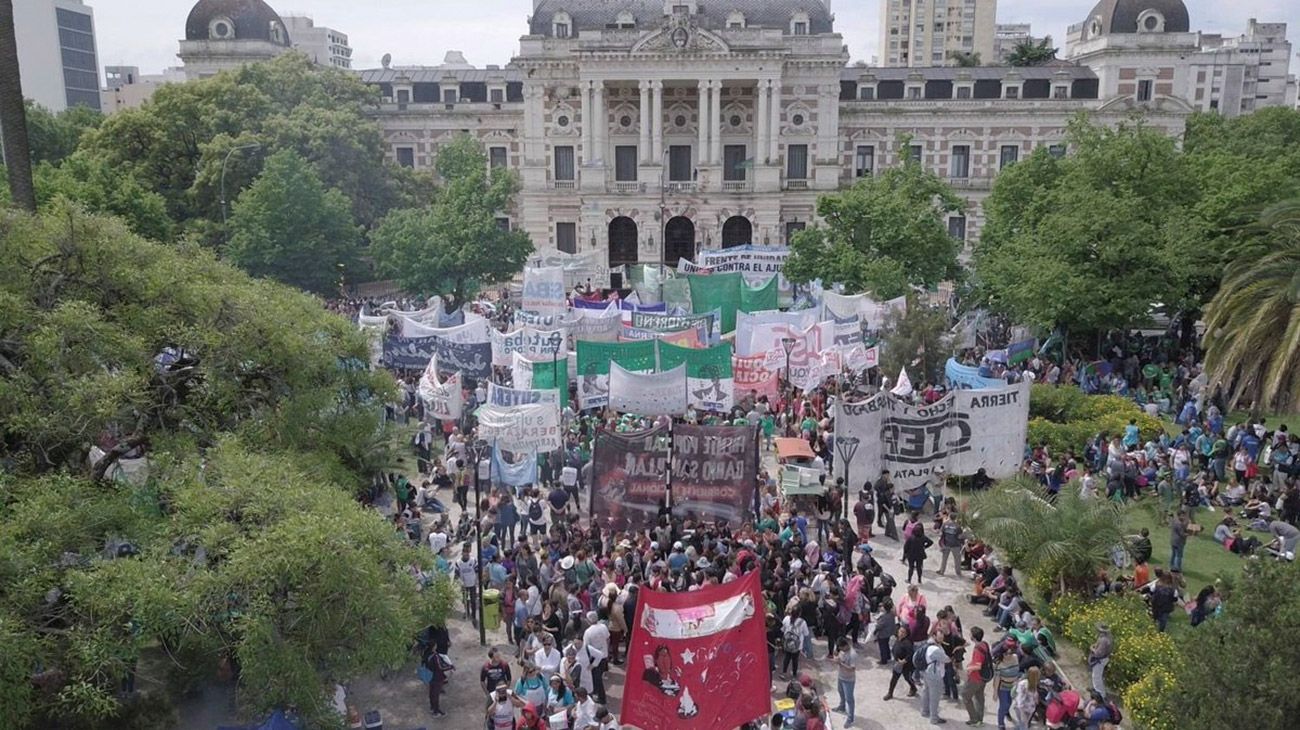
{"points": [[649, 130]]}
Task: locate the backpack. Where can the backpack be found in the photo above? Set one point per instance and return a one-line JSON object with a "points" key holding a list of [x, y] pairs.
{"points": [[535, 511], [575, 674], [919, 660], [986, 663], [790, 640], [1116, 716]]}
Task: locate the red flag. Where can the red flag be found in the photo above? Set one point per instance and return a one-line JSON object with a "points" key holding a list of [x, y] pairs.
{"points": [[699, 659]]}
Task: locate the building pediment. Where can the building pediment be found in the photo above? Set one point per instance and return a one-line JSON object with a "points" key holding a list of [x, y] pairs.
{"points": [[679, 34]]}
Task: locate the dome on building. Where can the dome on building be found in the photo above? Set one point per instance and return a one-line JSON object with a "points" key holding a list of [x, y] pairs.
{"points": [[245, 20], [1136, 16]]}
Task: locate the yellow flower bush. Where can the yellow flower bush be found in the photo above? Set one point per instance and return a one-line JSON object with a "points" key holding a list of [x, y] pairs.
{"points": [[1138, 647], [1147, 701]]}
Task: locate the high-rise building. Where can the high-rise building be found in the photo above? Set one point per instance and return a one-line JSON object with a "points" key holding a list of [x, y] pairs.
{"points": [[918, 33], [324, 46], [1009, 35], [57, 53]]}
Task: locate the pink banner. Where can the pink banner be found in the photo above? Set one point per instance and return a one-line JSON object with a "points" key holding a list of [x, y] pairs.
{"points": [[753, 374]]}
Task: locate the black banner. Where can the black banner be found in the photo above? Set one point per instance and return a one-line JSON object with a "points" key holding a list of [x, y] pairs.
{"points": [[628, 472], [714, 472], [472, 360]]}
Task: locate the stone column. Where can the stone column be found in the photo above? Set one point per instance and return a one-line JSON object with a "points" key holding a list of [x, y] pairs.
{"points": [[715, 127], [761, 120], [643, 152], [601, 127], [774, 123], [702, 149], [657, 121], [588, 123]]}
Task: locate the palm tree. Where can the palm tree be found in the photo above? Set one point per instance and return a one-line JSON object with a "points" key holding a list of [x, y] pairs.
{"points": [[1028, 53], [963, 59], [13, 115], [1252, 326], [1064, 541]]}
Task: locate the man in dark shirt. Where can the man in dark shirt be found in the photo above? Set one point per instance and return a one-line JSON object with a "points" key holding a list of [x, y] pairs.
{"points": [[559, 500], [495, 673]]}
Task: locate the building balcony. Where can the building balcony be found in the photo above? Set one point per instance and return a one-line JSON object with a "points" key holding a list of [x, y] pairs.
{"points": [[564, 184], [625, 187], [796, 184], [972, 182], [679, 187], [737, 186]]}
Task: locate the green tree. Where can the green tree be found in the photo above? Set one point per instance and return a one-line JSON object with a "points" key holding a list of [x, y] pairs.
{"points": [[101, 188], [55, 136], [963, 59], [1028, 53], [454, 246], [289, 227], [1252, 326], [1059, 544], [1094, 240], [1223, 657], [248, 401], [918, 340], [177, 144], [883, 235]]}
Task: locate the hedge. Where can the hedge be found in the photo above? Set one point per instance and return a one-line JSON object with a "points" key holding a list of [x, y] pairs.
{"points": [[1065, 418]]}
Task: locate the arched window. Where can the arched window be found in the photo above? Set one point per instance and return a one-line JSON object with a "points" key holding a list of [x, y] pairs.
{"points": [[625, 20], [277, 32], [737, 231], [561, 25]]}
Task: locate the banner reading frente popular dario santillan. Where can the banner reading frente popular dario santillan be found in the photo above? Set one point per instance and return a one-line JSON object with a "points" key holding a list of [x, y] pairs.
{"points": [[698, 660], [964, 431], [628, 485], [714, 469]]}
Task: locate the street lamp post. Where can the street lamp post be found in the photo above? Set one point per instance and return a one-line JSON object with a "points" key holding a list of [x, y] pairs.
{"points": [[225, 162], [787, 344], [846, 448], [478, 450]]}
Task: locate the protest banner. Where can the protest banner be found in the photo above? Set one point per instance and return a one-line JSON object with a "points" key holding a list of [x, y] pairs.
{"points": [[697, 660], [967, 377], [513, 470], [648, 394], [753, 376], [629, 471], [709, 380], [594, 359], [500, 395], [544, 290], [521, 428], [963, 432], [714, 472], [528, 341], [597, 325], [443, 400]]}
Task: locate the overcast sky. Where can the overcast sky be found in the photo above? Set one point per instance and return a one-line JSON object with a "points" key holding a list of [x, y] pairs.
{"points": [[144, 33]]}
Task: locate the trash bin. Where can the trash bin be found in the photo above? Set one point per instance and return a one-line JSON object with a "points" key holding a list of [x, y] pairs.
{"points": [[492, 609], [374, 721]]}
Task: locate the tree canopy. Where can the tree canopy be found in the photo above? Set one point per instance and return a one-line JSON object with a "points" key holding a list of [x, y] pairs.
{"points": [[240, 541], [455, 245], [1029, 53], [54, 137], [289, 227], [1093, 240], [883, 235]]}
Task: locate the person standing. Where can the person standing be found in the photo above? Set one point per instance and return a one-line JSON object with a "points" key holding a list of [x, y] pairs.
{"points": [[596, 639], [950, 544], [932, 679], [902, 652], [1099, 657], [467, 574], [1177, 540], [794, 632], [978, 673], [846, 666], [886, 625], [914, 551], [439, 670], [495, 673], [884, 490], [1024, 701]]}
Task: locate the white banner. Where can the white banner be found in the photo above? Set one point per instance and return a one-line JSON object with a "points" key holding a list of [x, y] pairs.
{"points": [[598, 325], [563, 320], [475, 331], [588, 268], [374, 329], [765, 339], [747, 324], [442, 400], [965, 431], [499, 395], [544, 290], [430, 315], [858, 358], [526, 341], [870, 312], [756, 264], [521, 428], [648, 394]]}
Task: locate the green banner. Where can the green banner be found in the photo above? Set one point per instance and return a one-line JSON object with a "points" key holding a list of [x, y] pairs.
{"points": [[717, 291], [548, 374], [677, 293], [593, 367], [764, 298], [710, 385]]}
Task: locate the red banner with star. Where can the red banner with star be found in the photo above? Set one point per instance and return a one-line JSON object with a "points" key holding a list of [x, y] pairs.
{"points": [[698, 659]]}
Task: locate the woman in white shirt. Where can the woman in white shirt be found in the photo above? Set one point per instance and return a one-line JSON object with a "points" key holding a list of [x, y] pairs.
{"points": [[1024, 698], [548, 658]]}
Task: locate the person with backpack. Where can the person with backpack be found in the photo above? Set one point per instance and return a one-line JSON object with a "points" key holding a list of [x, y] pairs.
{"points": [[536, 515], [1100, 711], [914, 551], [950, 544], [794, 632], [929, 659], [979, 672], [438, 668]]}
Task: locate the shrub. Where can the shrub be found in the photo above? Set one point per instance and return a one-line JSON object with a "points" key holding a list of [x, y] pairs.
{"points": [[1138, 648], [1148, 701], [1065, 418]]}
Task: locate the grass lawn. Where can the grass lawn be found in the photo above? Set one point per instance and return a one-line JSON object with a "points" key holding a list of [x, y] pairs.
{"points": [[1203, 559]]}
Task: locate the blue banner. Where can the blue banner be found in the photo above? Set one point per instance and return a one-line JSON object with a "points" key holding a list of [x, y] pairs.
{"points": [[966, 377], [472, 360], [519, 473]]}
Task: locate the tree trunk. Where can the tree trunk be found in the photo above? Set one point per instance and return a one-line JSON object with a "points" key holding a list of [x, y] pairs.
{"points": [[13, 115]]}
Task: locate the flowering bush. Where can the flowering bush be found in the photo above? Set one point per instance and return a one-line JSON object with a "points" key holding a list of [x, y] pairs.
{"points": [[1148, 700], [1138, 648], [1065, 418]]}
